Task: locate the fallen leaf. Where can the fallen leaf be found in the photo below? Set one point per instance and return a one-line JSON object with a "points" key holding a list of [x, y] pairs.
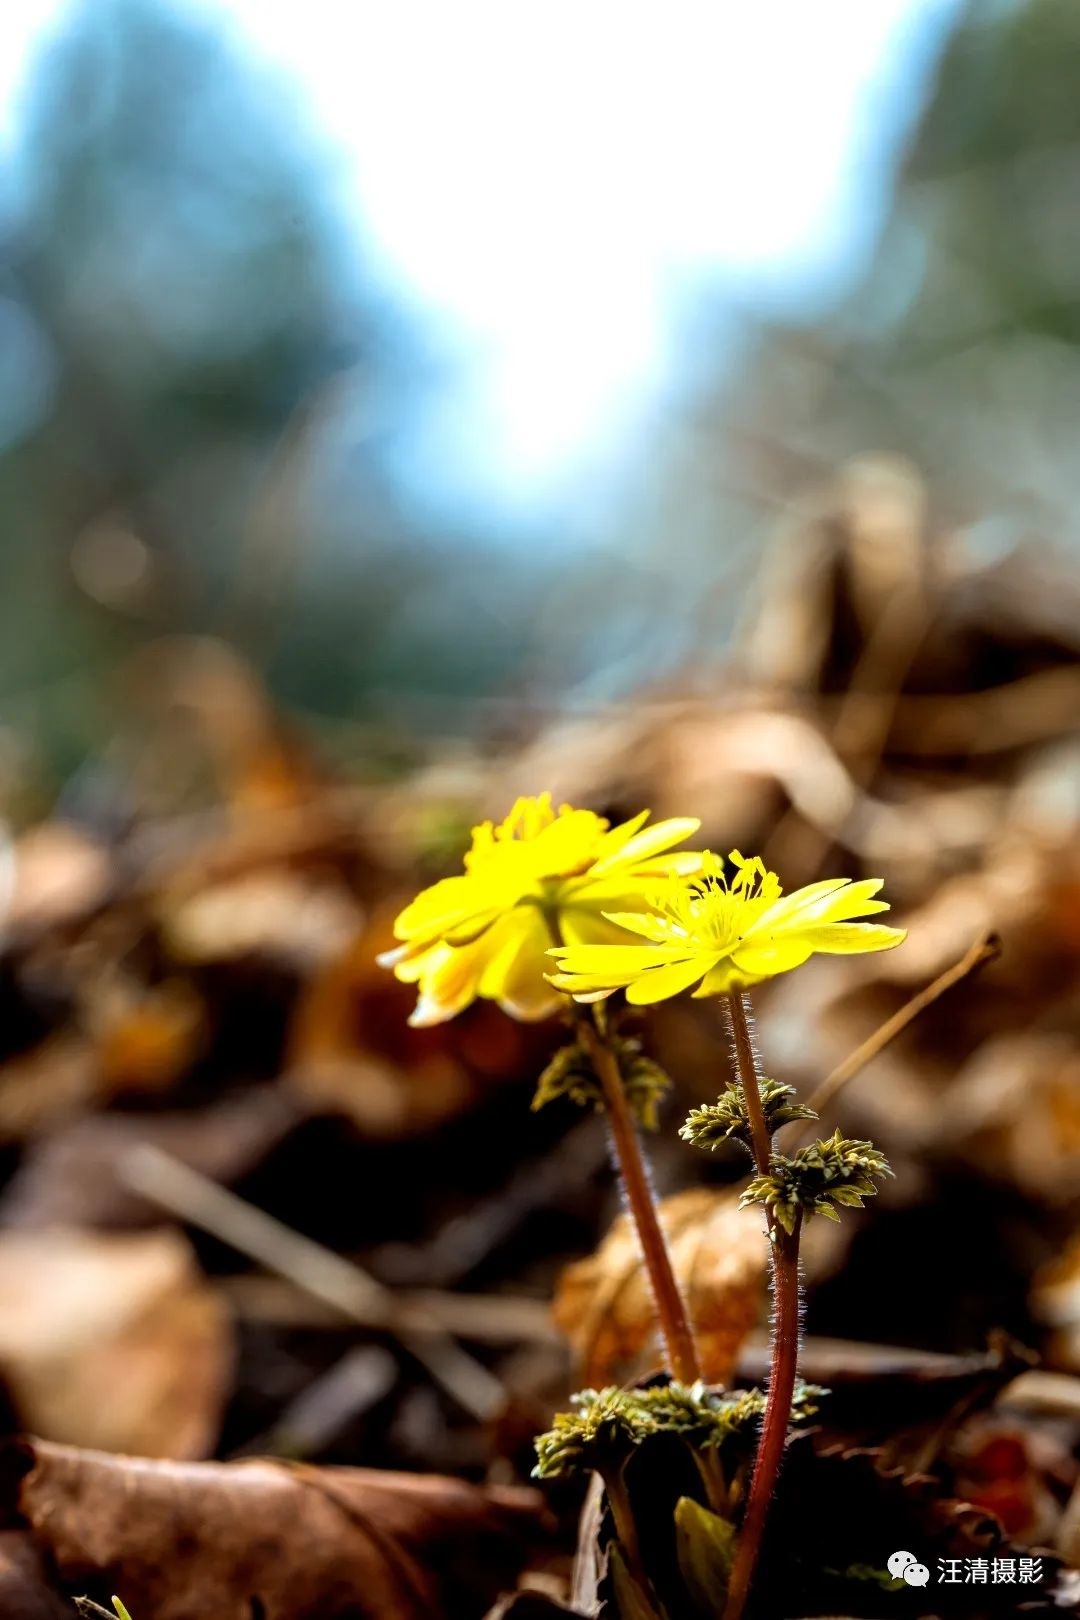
{"points": [[1002, 1467], [26, 1592], [907, 1404], [1014, 1114], [605, 1307], [47, 1085], [1055, 1300], [229, 1541], [274, 913], [116, 1342], [61, 875]]}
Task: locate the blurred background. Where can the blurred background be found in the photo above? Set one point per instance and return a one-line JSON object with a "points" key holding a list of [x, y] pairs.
{"points": [[403, 407], [451, 368]]}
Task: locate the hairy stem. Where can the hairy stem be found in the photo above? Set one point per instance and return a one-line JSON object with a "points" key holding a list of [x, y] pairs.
{"points": [[785, 1324], [682, 1355], [739, 1014], [777, 1420]]}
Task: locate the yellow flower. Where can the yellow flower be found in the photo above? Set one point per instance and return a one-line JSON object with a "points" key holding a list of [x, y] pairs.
{"points": [[721, 931], [541, 876]]}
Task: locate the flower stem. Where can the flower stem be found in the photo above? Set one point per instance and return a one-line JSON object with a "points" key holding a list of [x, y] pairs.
{"points": [[682, 1355], [738, 1009], [777, 1420], [785, 1325]]}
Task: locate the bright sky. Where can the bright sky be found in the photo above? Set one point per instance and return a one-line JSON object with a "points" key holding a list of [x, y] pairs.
{"points": [[545, 178]]}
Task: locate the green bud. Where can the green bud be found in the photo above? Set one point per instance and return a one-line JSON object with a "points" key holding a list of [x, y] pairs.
{"points": [[570, 1074], [726, 1119], [815, 1180]]}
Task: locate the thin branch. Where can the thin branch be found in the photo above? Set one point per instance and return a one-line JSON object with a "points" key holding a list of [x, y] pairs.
{"points": [[194, 1198], [987, 948], [482, 1318]]}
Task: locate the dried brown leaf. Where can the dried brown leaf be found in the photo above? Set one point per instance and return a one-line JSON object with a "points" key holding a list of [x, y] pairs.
{"points": [[1014, 1114], [61, 875], [47, 1085], [26, 1591], [604, 1306], [194, 1540], [273, 912], [116, 1342]]}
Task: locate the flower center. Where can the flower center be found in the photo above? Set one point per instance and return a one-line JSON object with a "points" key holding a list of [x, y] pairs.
{"points": [[716, 908]]}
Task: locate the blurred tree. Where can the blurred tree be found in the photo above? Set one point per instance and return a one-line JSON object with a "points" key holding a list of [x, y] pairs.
{"points": [[961, 346], [178, 294], [206, 394]]}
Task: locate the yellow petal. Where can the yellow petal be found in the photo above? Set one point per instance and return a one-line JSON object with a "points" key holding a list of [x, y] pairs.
{"points": [[726, 976], [581, 925], [411, 962], [616, 958], [451, 985], [578, 984], [791, 909], [515, 975], [472, 927], [445, 905], [681, 863], [650, 841], [585, 996], [848, 939], [613, 841], [764, 957], [661, 983], [648, 925], [851, 903]]}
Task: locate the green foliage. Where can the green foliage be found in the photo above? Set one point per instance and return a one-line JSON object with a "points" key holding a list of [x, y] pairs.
{"points": [[706, 1547], [570, 1074], [867, 1575], [726, 1119], [817, 1179], [631, 1600], [599, 1433], [705, 1418], [606, 1425]]}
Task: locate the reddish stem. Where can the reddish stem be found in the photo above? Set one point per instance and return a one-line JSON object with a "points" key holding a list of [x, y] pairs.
{"points": [[777, 1420], [739, 1014], [785, 1325], [682, 1355]]}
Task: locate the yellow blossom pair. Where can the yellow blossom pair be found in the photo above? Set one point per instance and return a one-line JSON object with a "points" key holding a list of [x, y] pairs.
{"points": [[618, 910]]}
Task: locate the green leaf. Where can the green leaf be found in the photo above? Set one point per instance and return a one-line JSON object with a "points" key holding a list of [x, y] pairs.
{"points": [[121, 1611], [868, 1575], [632, 1602], [706, 1548]]}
